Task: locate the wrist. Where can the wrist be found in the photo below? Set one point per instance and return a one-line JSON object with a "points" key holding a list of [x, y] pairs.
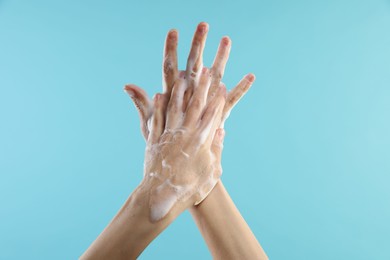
{"points": [[162, 200]]}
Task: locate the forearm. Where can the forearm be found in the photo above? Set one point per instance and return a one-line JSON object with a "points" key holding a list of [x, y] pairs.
{"points": [[131, 230], [224, 229]]}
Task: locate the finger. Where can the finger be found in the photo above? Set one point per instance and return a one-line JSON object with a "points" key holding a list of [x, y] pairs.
{"points": [[187, 96], [236, 94], [174, 109], [195, 58], [170, 70], [198, 100], [219, 64], [143, 104], [217, 144], [157, 121], [212, 116]]}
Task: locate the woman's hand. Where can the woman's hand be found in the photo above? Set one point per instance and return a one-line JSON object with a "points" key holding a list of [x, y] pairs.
{"points": [[182, 162], [182, 148]]}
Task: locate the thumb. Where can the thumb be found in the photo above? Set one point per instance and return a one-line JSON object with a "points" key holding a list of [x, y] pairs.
{"points": [[217, 145], [143, 104]]}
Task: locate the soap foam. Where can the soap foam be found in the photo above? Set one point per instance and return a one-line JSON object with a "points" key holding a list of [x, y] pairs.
{"points": [[166, 165], [205, 133], [195, 75], [172, 187], [165, 197], [162, 206], [168, 192], [185, 154]]}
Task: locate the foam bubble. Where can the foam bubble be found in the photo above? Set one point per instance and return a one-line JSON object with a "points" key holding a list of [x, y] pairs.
{"points": [[185, 154], [162, 206], [205, 133]]}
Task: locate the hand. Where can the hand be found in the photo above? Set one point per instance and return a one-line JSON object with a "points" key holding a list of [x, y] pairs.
{"points": [[182, 160], [182, 148], [194, 64], [179, 157]]}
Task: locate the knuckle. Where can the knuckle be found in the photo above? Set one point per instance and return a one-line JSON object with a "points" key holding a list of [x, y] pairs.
{"points": [[168, 66], [218, 75], [196, 67], [233, 100], [166, 136]]}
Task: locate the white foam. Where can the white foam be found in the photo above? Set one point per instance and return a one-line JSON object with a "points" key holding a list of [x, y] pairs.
{"points": [[150, 153], [185, 154], [166, 165], [191, 63], [163, 205], [165, 197], [181, 118], [206, 132], [167, 194], [171, 186]]}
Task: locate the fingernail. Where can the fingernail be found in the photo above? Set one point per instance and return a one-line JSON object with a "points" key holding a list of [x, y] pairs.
{"points": [[172, 34], [130, 92], [250, 77], [225, 40], [203, 28]]}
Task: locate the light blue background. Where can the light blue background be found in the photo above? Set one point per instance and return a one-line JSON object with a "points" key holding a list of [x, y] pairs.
{"points": [[307, 151]]}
